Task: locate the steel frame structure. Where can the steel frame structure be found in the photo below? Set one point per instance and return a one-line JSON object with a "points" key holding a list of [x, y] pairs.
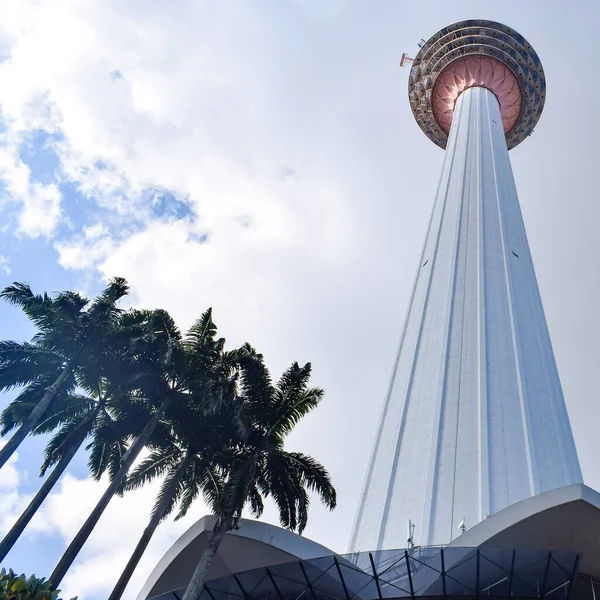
{"points": [[423, 572]]}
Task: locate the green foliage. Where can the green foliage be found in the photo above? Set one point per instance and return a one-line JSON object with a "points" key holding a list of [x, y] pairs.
{"points": [[258, 466], [216, 422], [18, 587]]}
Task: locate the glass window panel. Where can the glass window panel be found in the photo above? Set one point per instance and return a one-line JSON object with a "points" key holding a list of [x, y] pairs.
{"points": [[462, 577], [354, 579], [291, 571], [389, 590], [255, 582]]}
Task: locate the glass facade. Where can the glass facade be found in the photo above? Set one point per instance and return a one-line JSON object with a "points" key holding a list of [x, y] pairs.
{"points": [[429, 572]]}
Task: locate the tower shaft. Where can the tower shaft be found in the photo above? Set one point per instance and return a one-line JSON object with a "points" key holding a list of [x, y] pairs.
{"points": [[475, 418]]}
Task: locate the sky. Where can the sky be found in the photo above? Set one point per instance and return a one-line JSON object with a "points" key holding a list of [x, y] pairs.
{"points": [[260, 157]]}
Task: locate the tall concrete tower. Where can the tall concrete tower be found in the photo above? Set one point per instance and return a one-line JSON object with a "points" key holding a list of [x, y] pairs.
{"points": [[475, 418]]}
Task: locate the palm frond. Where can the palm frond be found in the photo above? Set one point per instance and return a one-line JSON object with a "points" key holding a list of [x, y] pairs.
{"points": [[107, 300], [38, 308], [289, 409], [156, 464], [256, 502], [65, 408], [18, 410], [72, 433], [202, 331], [22, 362], [201, 477], [314, 476], [107, 446], [294, 379], [239, 484], [169, 493], [284, 497]]}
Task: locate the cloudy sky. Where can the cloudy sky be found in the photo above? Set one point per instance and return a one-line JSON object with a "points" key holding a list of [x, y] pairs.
{"points": [[260, 157]]}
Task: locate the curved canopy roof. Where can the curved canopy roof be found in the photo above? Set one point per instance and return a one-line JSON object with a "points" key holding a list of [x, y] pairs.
{"points": [[253, 544], [566, 519]]}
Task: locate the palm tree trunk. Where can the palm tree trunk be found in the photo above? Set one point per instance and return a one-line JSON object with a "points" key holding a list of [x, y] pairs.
{"points": [[157, 517], [17, 529], [34, 416], [84, 533], [78, 435], [196, 585]]}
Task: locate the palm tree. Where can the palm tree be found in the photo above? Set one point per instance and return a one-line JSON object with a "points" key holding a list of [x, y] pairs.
{"points": [[72, 332], [166, 365], [188, 457], [78, 417], [259, 466], [188, 471]]}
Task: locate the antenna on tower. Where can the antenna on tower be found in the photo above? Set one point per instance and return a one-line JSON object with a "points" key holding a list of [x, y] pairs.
{"points": [[462, 526], [410, 532], [406, 60]]}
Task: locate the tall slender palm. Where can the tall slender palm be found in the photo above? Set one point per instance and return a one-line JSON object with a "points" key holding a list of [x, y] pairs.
{"points": [[166, 365], [259, 466], [188, 471], [188, 458], [78, 417], [72, 331]]}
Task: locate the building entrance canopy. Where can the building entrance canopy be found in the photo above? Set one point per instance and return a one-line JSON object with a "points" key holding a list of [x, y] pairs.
{"points": [[426, 572]]}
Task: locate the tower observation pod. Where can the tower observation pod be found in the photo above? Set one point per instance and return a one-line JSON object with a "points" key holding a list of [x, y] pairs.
{"points": [[474, 419]]}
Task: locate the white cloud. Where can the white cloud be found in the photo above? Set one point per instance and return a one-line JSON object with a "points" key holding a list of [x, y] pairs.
{"points": [[40, 204], [5, 264], [9, 485]]}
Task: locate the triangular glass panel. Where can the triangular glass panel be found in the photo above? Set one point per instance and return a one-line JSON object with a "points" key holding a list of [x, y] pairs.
{"points": [[493, 579], [566, 560], [454, 556], [423, 576], [528, 575], [291, 571], [397, 574], [218, 595], [501, 557], [288, 588], [395, 563], [354, 579], [369, 592], [255, 581], [360, 560], [329, 583], [315, 567], [226, 584], [461, 577], [556, 581], [384, 559], [395, 590]]}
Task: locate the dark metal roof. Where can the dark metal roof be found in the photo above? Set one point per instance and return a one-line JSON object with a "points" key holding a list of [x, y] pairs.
{"points": [[477, 36], [426, 572]]}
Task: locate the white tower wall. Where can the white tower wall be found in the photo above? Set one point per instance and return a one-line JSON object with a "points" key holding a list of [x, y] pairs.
{"points": [[474, 419]]}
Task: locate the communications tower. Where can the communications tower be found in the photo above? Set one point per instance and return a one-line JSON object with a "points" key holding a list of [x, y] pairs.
{"points": [[475, 419], [474, 488]]}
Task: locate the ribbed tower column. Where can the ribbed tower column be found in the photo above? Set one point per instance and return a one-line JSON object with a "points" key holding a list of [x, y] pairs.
{"points": [[475, 418]]}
